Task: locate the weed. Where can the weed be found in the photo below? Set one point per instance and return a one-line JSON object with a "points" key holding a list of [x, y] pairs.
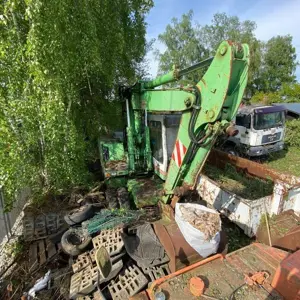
{"points": [[239, 183], [287, 160], [15, 249]]}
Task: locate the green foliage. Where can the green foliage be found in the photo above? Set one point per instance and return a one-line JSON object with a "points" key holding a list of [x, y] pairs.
{"points": [[266, 98], [238, 182], [286, 161], [292, 133], [183, 47], [279, 63], [290, 92], [236, 237], [60, 63], [271, 63], [15, 248]]}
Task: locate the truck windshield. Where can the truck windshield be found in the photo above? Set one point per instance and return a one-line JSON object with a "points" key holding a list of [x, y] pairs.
{"points": [[268, 120]]}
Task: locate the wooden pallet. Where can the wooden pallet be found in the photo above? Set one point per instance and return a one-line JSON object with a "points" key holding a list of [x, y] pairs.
{"points": [[40, 252]]}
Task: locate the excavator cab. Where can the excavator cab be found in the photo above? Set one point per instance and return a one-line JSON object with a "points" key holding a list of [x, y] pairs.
{"points": [[163, 133]]}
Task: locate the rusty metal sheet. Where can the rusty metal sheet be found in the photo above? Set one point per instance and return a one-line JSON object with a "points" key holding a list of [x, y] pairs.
{"points": [[284, 231], [181, 254], [220, 159], [222, 276], [287, 278]]}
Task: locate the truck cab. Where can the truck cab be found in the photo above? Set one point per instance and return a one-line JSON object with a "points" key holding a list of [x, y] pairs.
{"points": [[261, 131]]}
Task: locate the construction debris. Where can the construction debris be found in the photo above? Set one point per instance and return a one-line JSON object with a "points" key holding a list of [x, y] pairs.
{"points": [[86, 281], [40, 284], [208, 223], [144, 247], [111, 239], [125, 234], [42, 225], [107, 219], [127, 284], [41, 252], [156, 272]]}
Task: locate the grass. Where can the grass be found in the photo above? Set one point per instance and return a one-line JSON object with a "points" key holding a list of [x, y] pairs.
{"points": [[238, 182], [287, 160], [236, 237]]}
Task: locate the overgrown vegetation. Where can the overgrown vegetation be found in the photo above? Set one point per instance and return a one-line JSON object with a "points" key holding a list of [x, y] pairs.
{"points": [[287, 160], [15, 249], [288, 92], [60, 63], [239, 183], [235, 235], [292, 133]]}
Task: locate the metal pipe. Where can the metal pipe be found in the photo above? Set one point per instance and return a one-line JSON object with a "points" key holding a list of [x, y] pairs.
{"points": [[176, 74], [164, 79], [7, 216], [8, 223], [154, 285], [199, 65], [267, 224], [146, 118], [2, 208], [127, 113]]}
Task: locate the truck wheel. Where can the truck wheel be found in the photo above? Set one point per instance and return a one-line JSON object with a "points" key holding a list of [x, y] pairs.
{"points": [[74, 241], [231, 150], [78, 215], [123, 198], [111, 198]]}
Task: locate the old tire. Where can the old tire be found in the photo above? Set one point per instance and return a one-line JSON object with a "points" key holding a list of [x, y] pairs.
{"points": [[231, 150], [78, 215], [74, 241], [111, 198]]}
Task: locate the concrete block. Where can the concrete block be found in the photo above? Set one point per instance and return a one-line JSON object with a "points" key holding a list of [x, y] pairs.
{"points": [[111, 239], [128, 283], [157, 271], [82, 261], [85, 281]]}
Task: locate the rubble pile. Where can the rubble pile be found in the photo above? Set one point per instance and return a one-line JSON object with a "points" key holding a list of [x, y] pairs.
{"points": [[63, 248]]}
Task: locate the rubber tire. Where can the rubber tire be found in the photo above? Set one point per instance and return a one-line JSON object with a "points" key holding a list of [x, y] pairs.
{"points": [[231, 151], [78, 215], [71, 249]]}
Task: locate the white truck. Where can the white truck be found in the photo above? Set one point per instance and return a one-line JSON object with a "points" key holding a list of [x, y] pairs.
{"points": [[260, 131]]}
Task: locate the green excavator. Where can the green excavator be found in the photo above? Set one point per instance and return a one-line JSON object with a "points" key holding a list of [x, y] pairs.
{"points": [[170, 131]]}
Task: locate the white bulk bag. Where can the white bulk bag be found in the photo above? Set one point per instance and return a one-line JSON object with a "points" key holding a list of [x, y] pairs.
{"points": [[192, 235]]}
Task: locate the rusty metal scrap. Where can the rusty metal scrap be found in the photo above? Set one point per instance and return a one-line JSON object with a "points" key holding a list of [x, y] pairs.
{"points": [[220, 159], [258, 278]]}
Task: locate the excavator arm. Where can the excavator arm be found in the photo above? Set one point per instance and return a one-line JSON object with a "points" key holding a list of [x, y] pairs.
{"points": [[217, 98], [206, 109]]}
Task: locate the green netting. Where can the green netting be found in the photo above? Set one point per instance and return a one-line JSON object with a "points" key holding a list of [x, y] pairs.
{"points": [[107, 219]]}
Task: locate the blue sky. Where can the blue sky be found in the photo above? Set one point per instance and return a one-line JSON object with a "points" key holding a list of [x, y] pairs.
{"points": [[273, 17]]}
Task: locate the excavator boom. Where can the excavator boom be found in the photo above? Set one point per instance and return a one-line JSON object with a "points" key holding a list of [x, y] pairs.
{"points": [[204, 111]]}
